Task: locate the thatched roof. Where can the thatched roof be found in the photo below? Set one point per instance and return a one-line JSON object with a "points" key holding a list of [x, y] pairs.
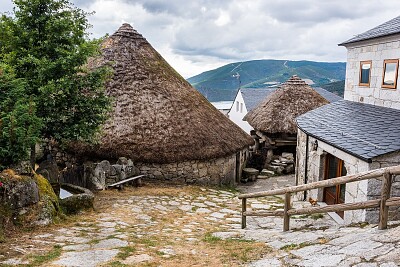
{"points": [[157, 115], [277, 113]]}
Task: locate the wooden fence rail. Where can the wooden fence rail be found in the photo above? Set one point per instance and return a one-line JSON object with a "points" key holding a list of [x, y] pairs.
{"points": [[386, 174]]}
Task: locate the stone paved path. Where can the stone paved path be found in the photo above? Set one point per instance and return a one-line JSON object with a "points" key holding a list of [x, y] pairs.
{"points": [[167, 227]]}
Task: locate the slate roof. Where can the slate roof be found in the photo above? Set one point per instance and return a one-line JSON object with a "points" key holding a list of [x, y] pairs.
{"points": [[253, 96], [331, 97], [362, 130], [388, 28]]}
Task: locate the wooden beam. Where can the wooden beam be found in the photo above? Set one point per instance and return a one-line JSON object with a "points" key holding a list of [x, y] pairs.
{"points": [[393, 201], [286, 216], [126, 180], [326, 183], [244, 207], [385, 194], [264, 213], [337, 207]]}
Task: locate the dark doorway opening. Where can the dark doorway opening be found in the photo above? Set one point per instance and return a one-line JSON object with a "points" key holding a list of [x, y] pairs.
{"points": [[334, 167]]}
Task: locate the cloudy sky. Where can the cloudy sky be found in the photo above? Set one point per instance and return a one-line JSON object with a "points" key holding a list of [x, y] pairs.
{"points": [[195, 36]]}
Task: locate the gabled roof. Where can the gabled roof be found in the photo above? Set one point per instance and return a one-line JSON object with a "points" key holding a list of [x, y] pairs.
{"points": [[388, 28], [253, 96], [331, 97], [362, 130]]}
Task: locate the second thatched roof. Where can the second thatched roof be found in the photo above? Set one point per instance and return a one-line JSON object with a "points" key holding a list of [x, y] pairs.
{"points": [[157, 115], [278, 112]]}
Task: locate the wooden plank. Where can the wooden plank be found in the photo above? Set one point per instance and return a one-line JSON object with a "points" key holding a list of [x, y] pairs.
{"points": [[393, 201], [385, 194], [326, 183], [244, 207], [264, 213], [286, 216], [337, 207], [126, 180]]}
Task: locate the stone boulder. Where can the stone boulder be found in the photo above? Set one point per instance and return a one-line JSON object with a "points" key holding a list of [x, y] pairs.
{"points": [[81, 199], [27, 200], [49, 170]]}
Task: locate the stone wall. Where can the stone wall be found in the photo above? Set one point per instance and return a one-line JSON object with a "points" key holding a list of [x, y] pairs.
{"points": [[221, 171], [375, 185], [376, 50]]}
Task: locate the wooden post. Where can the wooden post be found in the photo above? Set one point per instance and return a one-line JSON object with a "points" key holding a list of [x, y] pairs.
{"points": [[243, 211], [385, 194], [286, 216]]}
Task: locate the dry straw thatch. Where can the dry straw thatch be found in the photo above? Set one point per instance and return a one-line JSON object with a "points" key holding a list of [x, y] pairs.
{"points": [[278, 112], [157, 115]]}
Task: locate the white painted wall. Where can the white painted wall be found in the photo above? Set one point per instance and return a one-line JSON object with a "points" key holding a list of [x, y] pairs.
{"points": [[355, 192], [238, 111], [376, 50]]}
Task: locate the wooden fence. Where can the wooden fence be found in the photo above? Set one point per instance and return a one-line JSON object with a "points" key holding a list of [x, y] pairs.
{"points": [[383, 203]]}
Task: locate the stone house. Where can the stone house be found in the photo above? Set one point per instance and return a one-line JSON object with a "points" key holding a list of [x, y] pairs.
{"points": [[359, 133], [160, 122]]}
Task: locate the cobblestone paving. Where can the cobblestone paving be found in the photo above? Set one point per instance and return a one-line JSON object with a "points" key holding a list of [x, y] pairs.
{"points": [[111, 235]]}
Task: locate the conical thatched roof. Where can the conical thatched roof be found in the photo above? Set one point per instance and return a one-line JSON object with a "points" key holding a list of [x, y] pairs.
{"points": [[157, 115], [278, 112]]}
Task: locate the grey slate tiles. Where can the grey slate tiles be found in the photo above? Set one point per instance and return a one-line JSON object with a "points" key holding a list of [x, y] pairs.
{"points": [[388, 28], [363, 130]]}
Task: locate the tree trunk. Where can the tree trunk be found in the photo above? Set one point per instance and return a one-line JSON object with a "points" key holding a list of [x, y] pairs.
{"points": [[33, 156]]}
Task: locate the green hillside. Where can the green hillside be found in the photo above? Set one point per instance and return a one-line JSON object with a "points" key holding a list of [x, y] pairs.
{"points": [[222, 83], [335, 87]]}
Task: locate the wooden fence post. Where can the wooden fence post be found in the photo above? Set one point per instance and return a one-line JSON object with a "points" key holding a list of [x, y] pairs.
{"points": [[385, 194], [244, 204], [286, 216]]}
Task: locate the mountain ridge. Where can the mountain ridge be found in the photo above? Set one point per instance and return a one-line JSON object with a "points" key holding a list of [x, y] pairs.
{"points": [[222, 83]]}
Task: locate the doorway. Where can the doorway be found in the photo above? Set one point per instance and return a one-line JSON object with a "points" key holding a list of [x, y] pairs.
{"points": [[334, 167]]}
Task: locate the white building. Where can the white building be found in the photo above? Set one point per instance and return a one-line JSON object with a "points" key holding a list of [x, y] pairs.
{"points": [[246, 99], [359, 133]]}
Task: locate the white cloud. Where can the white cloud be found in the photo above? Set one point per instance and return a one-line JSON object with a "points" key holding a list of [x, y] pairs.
{"points": [[195, 36]]}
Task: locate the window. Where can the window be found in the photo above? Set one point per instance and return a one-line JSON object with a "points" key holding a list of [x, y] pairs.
{"points": [[365, 73], [241, 107], [390, 67], [237, 106]]}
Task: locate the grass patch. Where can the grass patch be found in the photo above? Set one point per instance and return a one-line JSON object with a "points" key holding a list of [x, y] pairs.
{"points": [[148, 242], [295, 246], [125, 252], [209, 238], [38, 260], [317, 216], [235, 251], [116, 264]]}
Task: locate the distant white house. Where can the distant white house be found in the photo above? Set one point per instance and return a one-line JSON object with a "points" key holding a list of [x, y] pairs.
{"points": [[248, 98]]}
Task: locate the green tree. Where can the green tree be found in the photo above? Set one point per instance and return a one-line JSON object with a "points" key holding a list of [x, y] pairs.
{"points": [[19, 125], [47, 44]]}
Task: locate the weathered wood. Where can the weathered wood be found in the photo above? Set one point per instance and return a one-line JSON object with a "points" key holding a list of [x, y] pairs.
{"points": [[385, 194], [393, 201], [126, 180], [337, 207], [264, 213], [286, 216], [244, 207], [326, 183]]}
